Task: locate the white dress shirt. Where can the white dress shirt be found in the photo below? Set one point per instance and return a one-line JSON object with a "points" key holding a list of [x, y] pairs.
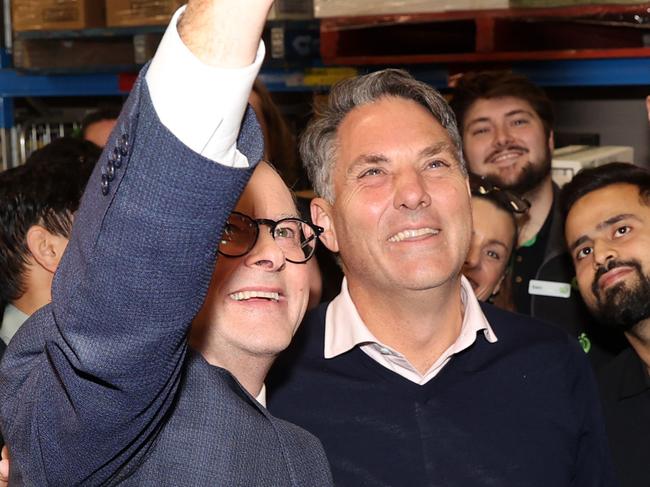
{"points": [[344, 330], [12, 319], [208, 105]]}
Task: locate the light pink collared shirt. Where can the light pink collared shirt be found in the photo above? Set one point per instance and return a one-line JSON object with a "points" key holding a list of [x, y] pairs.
{"points": [[344, 330]]}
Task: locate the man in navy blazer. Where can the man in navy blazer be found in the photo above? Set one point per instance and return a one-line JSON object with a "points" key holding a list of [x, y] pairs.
{"points": [[100, 387]]}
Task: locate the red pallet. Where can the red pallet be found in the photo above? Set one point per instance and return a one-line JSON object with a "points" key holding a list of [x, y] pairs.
{"points": [[584, 32]]}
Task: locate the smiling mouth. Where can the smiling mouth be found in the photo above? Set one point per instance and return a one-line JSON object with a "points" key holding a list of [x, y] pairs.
{"points": [[246, 295], [412, 234], [613, 276], [506, 157]]}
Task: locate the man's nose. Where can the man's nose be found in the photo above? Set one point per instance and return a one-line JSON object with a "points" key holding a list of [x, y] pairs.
{"points": [[502, 135], [411, 191], [604, 251], [266, 253]]}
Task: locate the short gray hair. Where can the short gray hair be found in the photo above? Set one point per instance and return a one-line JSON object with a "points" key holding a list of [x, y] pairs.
{"points": [[318, 148]]}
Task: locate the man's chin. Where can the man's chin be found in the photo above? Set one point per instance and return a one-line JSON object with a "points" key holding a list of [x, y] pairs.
{"points": [[623, 306]]}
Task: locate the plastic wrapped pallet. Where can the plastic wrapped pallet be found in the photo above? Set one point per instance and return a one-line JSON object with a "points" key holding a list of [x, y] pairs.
{"points": [[347, 8], [57, 14]]}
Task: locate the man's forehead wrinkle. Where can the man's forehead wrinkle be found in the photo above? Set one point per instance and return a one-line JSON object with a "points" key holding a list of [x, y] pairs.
{"points": [[437, 148]]}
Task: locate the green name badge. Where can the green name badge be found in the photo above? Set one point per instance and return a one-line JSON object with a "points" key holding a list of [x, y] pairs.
{"points": [[552, 289]]}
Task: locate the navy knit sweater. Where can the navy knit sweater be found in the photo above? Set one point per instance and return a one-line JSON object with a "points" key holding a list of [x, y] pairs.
{"points": [[523, 411]]}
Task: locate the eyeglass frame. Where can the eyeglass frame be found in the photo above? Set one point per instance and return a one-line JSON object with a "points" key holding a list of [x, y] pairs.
{"points": [[272, 225], [481, 186]]}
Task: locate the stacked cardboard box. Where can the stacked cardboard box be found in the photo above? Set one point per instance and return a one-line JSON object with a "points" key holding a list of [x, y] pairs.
{"points": [[57, 14], [129, 13], [349, 8], [345, 8]]}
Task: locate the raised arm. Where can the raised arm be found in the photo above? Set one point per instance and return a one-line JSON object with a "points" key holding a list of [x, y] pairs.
{"points": [[87, 380]]}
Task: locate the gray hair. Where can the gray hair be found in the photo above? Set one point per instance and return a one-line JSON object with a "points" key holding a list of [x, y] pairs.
{"points": [[318, 145]]}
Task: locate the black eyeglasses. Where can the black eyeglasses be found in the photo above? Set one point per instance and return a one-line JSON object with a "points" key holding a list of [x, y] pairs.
{"points": [[512, 201], [295, 237]]}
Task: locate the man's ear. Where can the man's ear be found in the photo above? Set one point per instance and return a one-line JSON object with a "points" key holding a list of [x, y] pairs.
{"points": [[551, 141], [46, 248], [321, 215]]}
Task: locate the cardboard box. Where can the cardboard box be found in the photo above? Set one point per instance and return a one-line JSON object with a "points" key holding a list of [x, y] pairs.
{"points": [[57, 14], [130, 13], [350, 8], [567, 161], [64, 54], [344, 8]]}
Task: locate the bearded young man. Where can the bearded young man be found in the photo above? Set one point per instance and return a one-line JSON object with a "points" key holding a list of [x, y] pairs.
{"points": [[506, 123], [608, 234]]}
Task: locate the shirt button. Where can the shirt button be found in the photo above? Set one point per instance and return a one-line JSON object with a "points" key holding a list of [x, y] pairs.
{"points": [[518, 279], [520, 258], [384, 351]]}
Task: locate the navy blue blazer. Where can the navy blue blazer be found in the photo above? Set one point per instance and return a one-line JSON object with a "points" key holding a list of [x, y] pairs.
{"points": [[99, 387]]}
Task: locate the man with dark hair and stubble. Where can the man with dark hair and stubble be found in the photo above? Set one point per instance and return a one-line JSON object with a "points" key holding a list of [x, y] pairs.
{"points": [[405, 377], [506, 123], [37, 204], [608, 235]]}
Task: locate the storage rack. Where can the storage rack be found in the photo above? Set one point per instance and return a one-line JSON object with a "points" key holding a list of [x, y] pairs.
{"points": [[585, 46]]}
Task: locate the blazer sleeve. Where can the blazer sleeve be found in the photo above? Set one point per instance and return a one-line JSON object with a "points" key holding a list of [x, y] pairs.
{"points": [[87, 381]]}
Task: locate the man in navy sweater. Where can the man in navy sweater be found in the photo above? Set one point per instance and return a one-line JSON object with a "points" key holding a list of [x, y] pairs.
{"points": [[405, 378], [608, 233]]}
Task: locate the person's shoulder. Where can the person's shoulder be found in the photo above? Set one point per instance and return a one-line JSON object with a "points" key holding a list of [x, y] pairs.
{"points": [[611, 375], [306, 454]]}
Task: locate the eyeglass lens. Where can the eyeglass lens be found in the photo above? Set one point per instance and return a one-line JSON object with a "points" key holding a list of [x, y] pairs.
{"points": [[295, 237]]}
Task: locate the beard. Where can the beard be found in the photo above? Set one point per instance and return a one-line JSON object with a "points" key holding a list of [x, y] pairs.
{"points": [[531, 175], [621, 307]]}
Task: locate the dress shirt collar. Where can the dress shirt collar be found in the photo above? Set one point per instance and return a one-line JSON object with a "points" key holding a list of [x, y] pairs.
{"points": [[261, 397], [344, 330], [11, 321]]}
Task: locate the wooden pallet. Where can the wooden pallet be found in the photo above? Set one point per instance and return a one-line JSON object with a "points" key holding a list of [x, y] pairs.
{"points": [[584, 32]]}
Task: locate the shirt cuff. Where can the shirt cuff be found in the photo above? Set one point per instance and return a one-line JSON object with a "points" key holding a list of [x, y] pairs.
{"points": [[201, 105]]}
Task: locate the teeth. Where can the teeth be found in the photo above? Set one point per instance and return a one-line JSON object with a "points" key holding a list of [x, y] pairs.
{"points": [[505, 156], [406, 234], [245, 295]]}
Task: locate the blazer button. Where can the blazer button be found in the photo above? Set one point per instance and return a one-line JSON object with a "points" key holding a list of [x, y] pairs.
{"points": [[124, 145], [105, 184], [116, 158], [110, 171]]}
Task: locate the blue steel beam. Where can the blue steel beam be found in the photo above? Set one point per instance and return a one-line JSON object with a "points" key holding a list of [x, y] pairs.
{"points": [[15, 84], [588, 72]]}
